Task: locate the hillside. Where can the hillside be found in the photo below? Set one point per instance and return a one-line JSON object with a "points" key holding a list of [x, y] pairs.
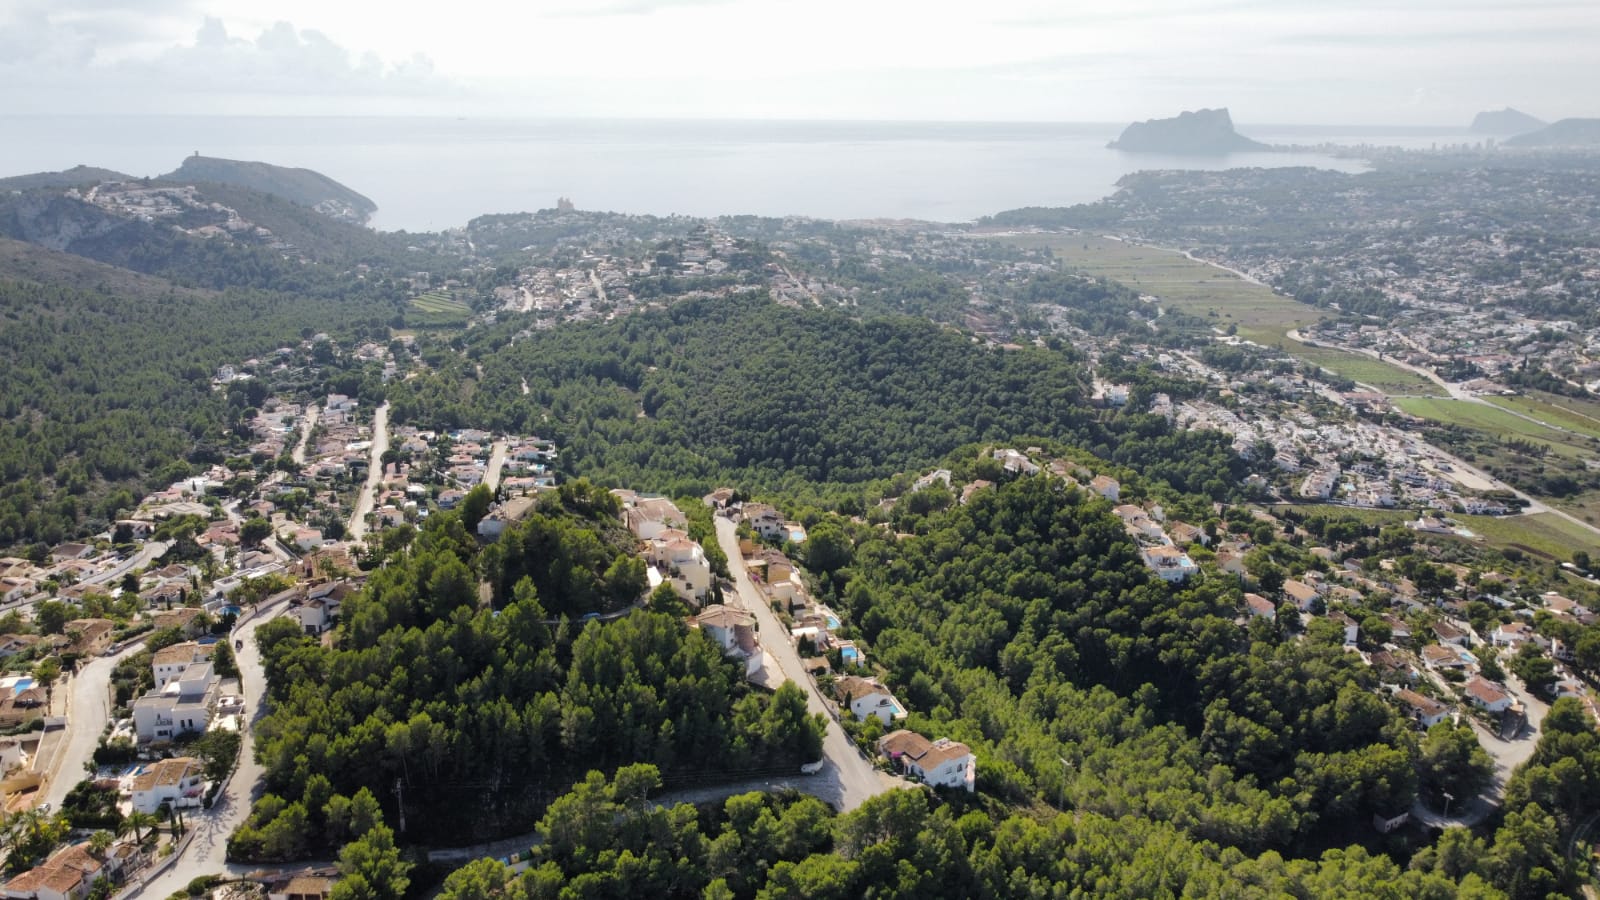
{"points": [[1565, 133], [73, 177], [1505, 121], [106, 387], [1204, 132], [302, 186]]}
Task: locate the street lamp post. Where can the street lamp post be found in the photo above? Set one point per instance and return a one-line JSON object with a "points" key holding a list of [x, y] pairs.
{"points": [[1066, 767], [1447, 798]]}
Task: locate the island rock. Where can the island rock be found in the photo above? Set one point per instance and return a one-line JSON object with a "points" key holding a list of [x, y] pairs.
{"points": [[1202, 132]]}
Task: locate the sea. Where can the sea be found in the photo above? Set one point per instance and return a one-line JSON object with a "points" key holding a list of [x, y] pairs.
{"points": [[429, 174]]}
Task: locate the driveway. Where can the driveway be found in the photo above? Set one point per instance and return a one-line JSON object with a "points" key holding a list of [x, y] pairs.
{"points": [[849, 779]]}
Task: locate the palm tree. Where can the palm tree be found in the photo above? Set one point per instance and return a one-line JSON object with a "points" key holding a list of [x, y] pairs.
{"points": [[138, 821], [100, 842]]}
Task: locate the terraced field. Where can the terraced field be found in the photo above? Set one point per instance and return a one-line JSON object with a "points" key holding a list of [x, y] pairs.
{"points": [[437, 308]]}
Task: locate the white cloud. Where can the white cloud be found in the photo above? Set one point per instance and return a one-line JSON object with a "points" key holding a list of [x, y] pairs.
{"points": [[1269, 60]]}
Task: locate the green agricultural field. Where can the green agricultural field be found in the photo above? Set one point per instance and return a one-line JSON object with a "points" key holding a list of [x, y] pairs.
{"points": [[1542, 534], [1204, 290], [1497, 423], [437, 308], [1545, 534], [1581, 416]]}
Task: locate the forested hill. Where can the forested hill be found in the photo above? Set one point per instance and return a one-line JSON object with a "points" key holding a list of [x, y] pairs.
{"points": [[780, 399], [1132, 741], [106, 386]]}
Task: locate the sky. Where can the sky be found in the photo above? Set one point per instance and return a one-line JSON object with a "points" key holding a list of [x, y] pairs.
{"points": [[1369, 62]]}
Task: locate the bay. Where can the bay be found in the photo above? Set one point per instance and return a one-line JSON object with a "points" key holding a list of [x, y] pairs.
{"points": [[428, 174]]}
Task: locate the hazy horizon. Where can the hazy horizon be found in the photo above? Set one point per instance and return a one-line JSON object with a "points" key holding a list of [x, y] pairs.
{"points": [[1427, 64]]}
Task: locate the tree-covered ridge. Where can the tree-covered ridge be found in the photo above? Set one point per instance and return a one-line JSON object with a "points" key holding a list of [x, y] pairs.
{"points": [[782, 400], [605, 840], [483, 713]]}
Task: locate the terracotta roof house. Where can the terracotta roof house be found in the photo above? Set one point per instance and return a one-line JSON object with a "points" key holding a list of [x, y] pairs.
{"points": [[1425, 711], [68, 874], [1486, 695], [1260, 606], [89, 636], [943, 763]]}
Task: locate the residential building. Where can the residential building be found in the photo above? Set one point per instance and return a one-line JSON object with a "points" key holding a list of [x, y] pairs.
{"points": [[311, 884], [89, 637], [1512, 634], [188, 619], [68, 874], [942, 763], [169, 663], [179, 782], [763, 519], [1425, 711], [1260, 607], [866, 697], [1440, 656], [1302, 595], [733, 630], [1169, 563], [1486, 695], [185, 705], [1107, 487]]}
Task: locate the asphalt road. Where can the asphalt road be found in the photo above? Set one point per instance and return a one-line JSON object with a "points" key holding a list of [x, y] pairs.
{"points": [[497, 461], [88, 712], [849, 779], [207, 851], [380, 445]]}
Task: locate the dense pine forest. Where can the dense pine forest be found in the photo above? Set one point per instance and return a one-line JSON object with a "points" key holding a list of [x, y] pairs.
{"points": [[802, 403], [484, 714]]}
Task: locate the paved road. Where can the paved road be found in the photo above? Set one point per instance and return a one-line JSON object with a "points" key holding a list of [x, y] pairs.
{"points": [[88, 712], [849, 779], [497, 461], [380, 445], [207, 852], [312, 413], [1507, 756]]}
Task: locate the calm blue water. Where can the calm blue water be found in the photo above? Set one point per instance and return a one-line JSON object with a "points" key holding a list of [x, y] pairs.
{"points": [[432, 173]]}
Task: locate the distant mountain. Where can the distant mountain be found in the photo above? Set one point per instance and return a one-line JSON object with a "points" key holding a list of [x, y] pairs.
{"points": [[1203, 132], [300, 186], [73, 177], [1505, 121], [1565, 133]]}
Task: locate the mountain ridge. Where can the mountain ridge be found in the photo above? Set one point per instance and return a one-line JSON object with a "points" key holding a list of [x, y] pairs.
{"points": [[1563, 133], [1505, 121]]}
